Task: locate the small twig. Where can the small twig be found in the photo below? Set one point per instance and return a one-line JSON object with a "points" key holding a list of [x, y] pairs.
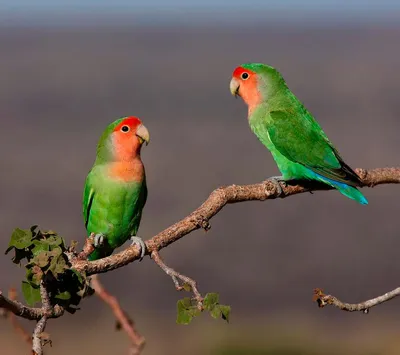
{"points": [[38, 338], [138, 341], [364, 307], [176, 276], [88, 248], [12, 295], [26, 312]]}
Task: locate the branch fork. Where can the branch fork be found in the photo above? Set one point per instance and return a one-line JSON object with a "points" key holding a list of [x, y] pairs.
{"points": [[199, 218], [188, 283]]}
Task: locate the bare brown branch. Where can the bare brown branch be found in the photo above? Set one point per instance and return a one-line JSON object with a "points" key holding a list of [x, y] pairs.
{"points": [[365, 306], [38, 337], [138, 341], [31, 313], [197, 219], [215, 202], [88, 248], [176, 276]]}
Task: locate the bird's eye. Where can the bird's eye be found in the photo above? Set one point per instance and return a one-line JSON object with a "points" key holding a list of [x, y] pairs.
{"points": [[245, 76], [125, 129]]}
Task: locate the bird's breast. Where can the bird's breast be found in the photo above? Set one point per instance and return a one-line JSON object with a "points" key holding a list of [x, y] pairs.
{"points": [[127, 171]]}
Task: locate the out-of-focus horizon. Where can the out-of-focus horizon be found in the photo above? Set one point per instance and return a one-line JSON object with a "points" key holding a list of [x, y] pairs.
{"points": [[67, 71], [196, 12]]}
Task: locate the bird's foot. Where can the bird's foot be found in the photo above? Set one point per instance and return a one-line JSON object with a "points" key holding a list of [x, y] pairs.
{"points": [[139, 242], [277, 181], [99, 240]]}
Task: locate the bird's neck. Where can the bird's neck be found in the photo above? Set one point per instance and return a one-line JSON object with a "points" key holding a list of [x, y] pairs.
{"points": [[127, 170], [256, 111]]}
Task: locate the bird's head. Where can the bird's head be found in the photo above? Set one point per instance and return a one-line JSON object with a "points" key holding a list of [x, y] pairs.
{"points": [[254, 82], [123, 139]]}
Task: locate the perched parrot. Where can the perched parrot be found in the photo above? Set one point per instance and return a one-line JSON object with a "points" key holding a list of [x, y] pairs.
{"points": [[115, 189], [298, 144]]}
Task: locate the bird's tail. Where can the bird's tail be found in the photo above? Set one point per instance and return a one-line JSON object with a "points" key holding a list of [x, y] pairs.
{"points": [[348, 191]]}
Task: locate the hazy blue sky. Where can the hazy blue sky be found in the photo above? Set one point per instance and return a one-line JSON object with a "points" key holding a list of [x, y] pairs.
{"points": [[23, 11], [304, 5]]}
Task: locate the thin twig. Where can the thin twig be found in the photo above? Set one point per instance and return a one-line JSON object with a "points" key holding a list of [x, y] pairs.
{"points": [[176, 276], [138, 341], [26, 312], [365, 306], [215, 202], [38, 338], [88, 248]]}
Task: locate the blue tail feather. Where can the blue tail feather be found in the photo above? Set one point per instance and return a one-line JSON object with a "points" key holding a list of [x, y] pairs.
{"points": [[349, 191]]}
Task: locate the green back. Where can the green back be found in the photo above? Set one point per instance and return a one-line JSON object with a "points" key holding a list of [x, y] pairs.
{"points": [[285, 126]]}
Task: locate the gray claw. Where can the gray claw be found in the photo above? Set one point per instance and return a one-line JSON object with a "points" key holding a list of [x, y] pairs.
{"points": [[98, 240], [139, 241], [277, 180]]}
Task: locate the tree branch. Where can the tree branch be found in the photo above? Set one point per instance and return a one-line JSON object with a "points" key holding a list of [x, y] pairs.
{"points": [[197, 219], [126, 323], [26, 312], [214, 203], [324, 300], [38, 336], [176, 276]]}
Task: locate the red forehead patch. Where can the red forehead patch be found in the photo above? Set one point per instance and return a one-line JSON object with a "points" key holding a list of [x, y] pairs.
{"points": [[130, 121], [239, 71]]}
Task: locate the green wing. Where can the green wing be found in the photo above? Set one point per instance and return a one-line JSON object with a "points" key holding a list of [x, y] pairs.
{"points": [[112, 208], [88, 196], [139, 208], [301, 140]]}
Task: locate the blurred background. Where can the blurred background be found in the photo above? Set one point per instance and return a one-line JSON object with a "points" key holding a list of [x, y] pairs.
{"points": [[69, 68]]}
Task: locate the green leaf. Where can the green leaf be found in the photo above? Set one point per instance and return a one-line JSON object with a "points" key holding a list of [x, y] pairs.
{"points": [[78, 275], [31, 294], [42, 259], [210, 301], [186, 310], [226, 311], [39, 247], [216, 312], [20, 238], [71, 309], [57, 265], [8, 250], [53, 240], [49, 232], [63, 295], [20, 254], [183, 317], [55, 251]]}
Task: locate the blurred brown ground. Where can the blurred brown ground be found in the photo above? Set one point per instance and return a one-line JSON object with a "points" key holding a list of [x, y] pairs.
{"points": [[59, 88]]}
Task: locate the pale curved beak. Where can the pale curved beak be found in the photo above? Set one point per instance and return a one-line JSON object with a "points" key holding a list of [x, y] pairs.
{"points": [[143, 134], [234, 87]]}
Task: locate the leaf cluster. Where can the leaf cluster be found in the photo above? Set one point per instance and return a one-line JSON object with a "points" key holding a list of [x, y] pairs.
{"points": [[188, 308], [45, 253]]}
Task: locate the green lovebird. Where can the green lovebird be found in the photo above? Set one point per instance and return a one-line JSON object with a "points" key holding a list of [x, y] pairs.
{"points": [[115, 190], [298, 144]]}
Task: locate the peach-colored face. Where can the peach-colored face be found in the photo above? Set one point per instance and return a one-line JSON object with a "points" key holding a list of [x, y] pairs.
{"points": [[128, 138], [244, 84]]}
